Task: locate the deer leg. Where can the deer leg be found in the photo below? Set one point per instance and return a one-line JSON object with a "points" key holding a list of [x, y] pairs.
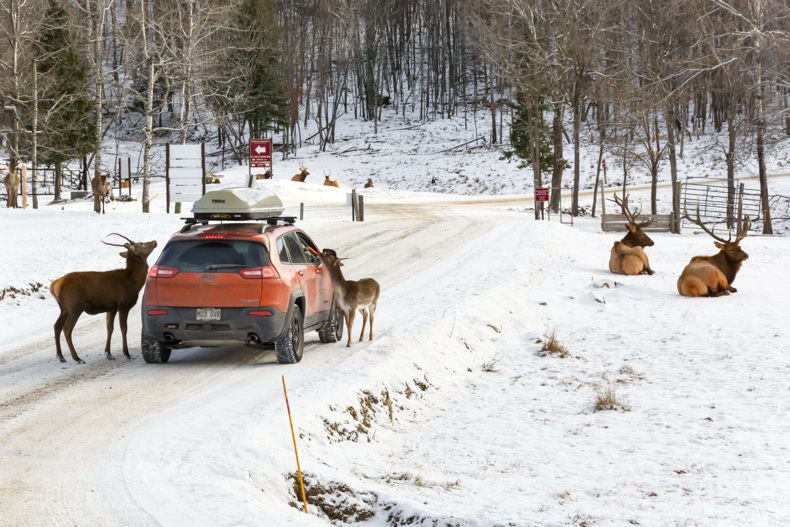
{"points": [[349, 323], [68, 327], [122, 316], [364, 313], [110, 321], [372, 310], [58, 328]]}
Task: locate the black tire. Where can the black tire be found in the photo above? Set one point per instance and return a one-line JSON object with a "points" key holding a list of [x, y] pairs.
{"points": [[290, 347], [153, 350], [332, 330]]}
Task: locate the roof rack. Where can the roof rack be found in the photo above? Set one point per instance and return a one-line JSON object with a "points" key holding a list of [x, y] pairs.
{"points": [[274, 220]]}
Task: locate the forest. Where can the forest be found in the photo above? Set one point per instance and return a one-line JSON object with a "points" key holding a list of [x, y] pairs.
{"points": [[643, 74]]}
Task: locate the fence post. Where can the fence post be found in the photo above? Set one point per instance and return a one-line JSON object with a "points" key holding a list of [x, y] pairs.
{"points": [[361, 211], [353, 205]]}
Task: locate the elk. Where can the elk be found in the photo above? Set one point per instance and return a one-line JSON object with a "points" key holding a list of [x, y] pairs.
{"points": [[95, 292], [328, 182], [369, 183], [627, 255], [101, 187], [713, 275], [302, 175], [11, 183], [351, 295]]}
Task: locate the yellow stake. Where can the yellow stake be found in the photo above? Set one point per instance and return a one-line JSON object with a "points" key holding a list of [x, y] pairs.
{"points": [[298, 468]]}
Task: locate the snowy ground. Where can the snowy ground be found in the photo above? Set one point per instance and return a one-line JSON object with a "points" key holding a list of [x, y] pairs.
{"points": [[450, 416]]}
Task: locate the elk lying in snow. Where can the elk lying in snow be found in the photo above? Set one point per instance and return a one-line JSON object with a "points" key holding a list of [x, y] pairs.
{"points": [[713, 275], [369, 183], [328, 182], [302, 175], [627, 255], [95, 292], [101, 187], [351, 295]]}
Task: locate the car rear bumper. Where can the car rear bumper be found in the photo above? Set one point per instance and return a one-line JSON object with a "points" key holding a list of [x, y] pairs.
{"points": [[178, 327]]}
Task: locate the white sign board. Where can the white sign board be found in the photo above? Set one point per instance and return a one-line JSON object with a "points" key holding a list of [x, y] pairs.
{"points": [[185, 173]]}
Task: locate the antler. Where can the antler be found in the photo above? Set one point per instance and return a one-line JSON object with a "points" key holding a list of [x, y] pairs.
{"points": [[117, 244], [699, 223], [745, 230], [631, 217]]}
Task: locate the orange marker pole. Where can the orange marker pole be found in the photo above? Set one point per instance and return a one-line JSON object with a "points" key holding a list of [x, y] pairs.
{"points": [[298, 468]]}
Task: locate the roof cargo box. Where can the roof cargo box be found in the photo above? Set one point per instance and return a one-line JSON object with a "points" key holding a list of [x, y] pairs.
{"points": [[238, 203]]}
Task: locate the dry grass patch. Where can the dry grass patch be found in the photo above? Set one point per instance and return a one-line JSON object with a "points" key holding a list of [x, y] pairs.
{"points": [[606, 399], [552, 346]]}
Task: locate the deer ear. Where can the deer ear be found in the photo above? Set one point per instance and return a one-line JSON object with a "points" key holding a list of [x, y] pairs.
{"points": [[123, 254], [718, 245]]}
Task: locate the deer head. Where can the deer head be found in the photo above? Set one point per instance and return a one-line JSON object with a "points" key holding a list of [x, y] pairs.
{"points": [[635, 236], [730, 248]]}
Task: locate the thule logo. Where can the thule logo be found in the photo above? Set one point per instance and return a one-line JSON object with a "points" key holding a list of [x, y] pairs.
{"points": [[217, 201]]}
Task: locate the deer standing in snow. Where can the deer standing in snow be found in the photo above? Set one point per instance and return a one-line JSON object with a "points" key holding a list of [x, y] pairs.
{"points": [[351, 295], [713, 275], [101, 187], [95, 292], [627, 255]]}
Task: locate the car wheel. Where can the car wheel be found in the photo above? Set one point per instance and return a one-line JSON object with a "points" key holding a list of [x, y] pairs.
{"points": [[332, 330], [290, 347], [153, 350]]}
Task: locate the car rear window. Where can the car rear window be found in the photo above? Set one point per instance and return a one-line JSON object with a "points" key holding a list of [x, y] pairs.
{"points": [[195, 256]]}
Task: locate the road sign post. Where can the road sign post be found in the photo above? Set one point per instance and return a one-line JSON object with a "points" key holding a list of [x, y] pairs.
{"points": [[260, 155]]}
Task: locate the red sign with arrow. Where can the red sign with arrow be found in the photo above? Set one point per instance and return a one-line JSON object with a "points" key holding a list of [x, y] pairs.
{"points": [[260, 153]]}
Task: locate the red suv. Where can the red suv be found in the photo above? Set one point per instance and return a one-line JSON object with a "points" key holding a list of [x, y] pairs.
{"points": [[257, 283]]}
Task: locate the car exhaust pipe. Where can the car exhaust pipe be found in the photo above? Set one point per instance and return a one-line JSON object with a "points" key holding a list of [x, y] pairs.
{"points": [[253, 339]]}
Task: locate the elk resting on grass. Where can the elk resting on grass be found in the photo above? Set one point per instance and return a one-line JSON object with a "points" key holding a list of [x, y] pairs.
{"points": [[713, 275], [627, 255], [95, 292], [302, 175], [351, 295]]}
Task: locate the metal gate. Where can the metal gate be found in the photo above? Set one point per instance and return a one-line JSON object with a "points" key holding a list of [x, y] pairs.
{"points": [[712, 200]]}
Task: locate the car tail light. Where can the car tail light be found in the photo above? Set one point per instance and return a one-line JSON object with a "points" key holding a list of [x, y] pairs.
{"points": [[262, 313], [162, 272], [259, 272], [156, 312]]}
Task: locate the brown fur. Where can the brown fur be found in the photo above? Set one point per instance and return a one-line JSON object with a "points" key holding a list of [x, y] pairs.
{"points": [[351, 295], [627, 256], [11, 183], [302, 175], [95, 292], [101, 187], [713, 275], [329, 183], [369, 183]]}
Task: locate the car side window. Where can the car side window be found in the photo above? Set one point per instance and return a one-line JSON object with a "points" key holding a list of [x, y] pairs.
{"points": [[307, 244], [282, 250], [295, 248]]}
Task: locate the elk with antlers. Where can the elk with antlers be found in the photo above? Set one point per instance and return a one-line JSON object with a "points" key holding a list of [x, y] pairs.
{"points": [[302, 175], [713, 275], [328, 182], [95, 292], [627, 255], [351, 295], [101, 187]]}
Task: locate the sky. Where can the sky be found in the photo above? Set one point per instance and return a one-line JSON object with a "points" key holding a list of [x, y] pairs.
{"points": [[452, 414]]}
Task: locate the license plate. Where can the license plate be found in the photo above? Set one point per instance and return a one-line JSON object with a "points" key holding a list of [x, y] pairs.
{"points": [[208, 313]]}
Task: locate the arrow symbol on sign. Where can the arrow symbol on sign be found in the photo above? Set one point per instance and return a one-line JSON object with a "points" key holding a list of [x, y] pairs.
{"points": [[260, 149]]}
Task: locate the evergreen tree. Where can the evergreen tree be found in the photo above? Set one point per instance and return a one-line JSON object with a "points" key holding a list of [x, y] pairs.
{"points": [[67, 123]]}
